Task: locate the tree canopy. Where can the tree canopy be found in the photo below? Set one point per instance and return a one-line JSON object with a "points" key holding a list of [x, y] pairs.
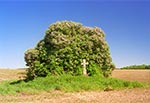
{"points": [[64, 47], [142, 66]]}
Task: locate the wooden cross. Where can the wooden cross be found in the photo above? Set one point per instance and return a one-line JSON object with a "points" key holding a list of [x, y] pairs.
{"points": [[84, 63]]}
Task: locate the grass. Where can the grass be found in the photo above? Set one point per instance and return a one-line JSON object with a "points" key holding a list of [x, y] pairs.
{"points": [[66, 83]]}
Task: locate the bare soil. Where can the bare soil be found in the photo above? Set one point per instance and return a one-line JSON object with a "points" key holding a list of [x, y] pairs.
{"points": [[8, 74], [132, 75], [138, 95]]}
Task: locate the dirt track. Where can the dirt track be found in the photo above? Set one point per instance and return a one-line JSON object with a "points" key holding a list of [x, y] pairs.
{"points": [[121, 96]]}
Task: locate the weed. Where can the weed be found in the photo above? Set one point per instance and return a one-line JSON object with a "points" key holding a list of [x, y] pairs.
{"points": [[66, 83]]}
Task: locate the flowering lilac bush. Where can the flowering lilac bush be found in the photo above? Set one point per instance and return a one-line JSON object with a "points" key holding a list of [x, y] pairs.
{"points": [[64, 47]]}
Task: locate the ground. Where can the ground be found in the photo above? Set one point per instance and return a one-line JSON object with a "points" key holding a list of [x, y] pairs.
{"points": [[7, 74], [137, 95], [122, 96], [132, 75]]}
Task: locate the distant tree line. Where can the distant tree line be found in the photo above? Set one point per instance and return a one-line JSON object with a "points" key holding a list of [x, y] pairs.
{"points": [[143, 66]]}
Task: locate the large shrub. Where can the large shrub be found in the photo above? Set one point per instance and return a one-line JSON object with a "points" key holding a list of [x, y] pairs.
{"points": [[64, 47]]}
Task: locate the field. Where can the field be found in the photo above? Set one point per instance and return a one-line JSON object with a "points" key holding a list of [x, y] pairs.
{"points": [[136, 95], [132, 75], [7, 74]]}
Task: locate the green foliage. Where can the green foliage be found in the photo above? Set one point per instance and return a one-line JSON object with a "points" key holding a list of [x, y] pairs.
{"points": [[64, 47], [66, 83], [94, 70], [143, 66]]}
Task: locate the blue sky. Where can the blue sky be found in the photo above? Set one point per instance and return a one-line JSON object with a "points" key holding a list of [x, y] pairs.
{"points": [[126, 25]]}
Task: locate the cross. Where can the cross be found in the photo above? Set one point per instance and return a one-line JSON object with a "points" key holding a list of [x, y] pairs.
{"points": [[84, 63]]}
